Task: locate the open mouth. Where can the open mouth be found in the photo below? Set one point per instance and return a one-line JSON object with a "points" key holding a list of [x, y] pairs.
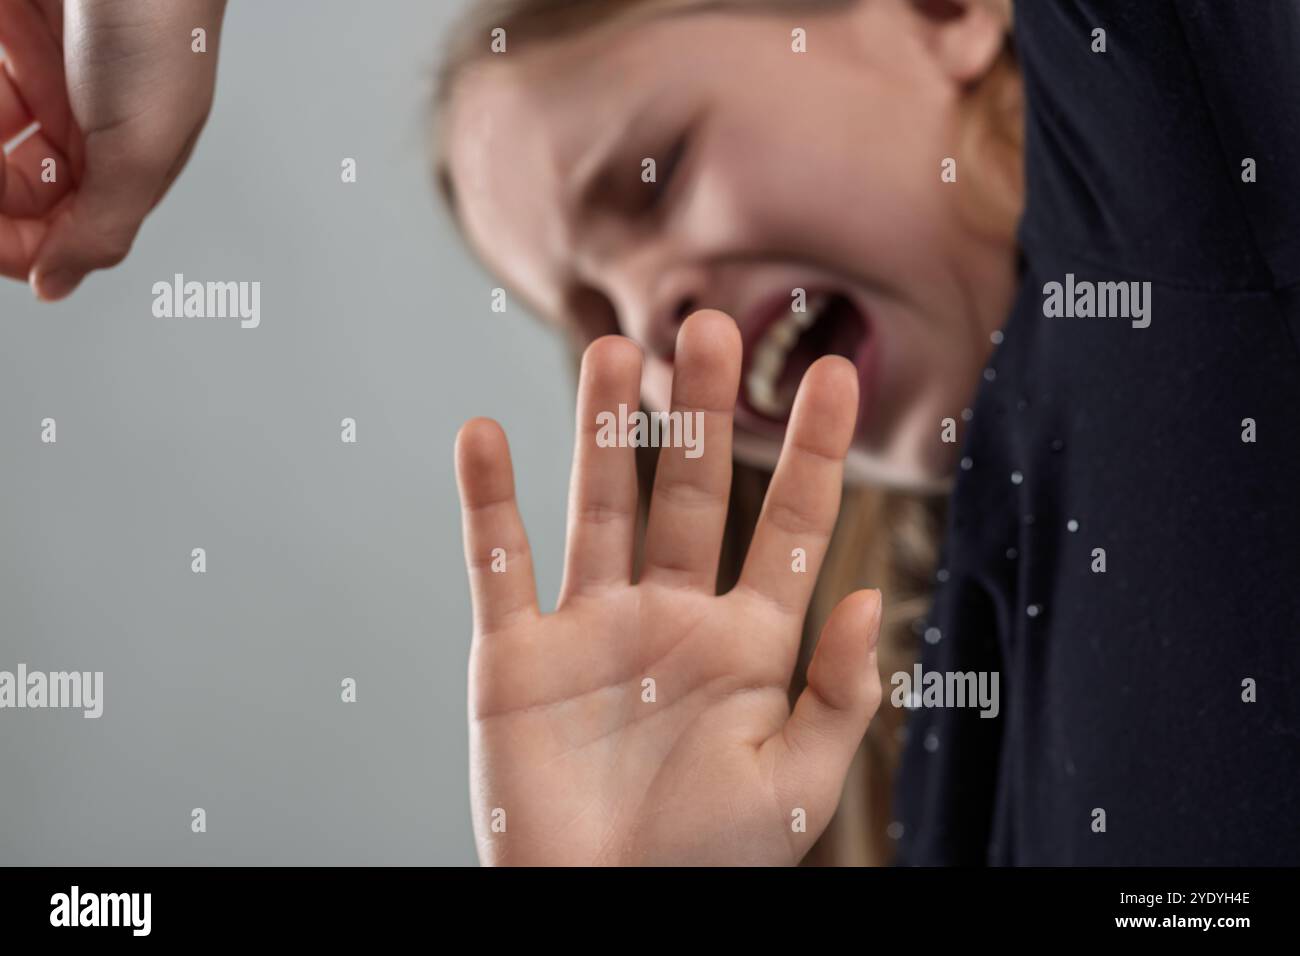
{"points": [[783, 350]]}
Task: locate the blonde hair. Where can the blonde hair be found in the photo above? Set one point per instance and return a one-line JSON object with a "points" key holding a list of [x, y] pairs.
{"points": [[883, 538]]}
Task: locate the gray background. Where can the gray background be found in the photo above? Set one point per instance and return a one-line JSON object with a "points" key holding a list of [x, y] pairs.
{"points": [[325, 560]]}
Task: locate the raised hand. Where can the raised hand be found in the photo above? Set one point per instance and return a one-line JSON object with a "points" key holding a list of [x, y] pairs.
{"points": [[120, 95], [575, 756]]}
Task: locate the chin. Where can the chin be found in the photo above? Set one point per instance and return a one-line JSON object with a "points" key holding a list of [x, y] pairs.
{"points": [[758, 451], [865, 468]]}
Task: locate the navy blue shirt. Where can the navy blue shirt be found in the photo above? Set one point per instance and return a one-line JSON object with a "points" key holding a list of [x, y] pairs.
{"points": [[1119, 551]]}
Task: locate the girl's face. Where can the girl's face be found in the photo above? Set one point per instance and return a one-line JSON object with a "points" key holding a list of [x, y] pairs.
{"points": [[775, 171]]}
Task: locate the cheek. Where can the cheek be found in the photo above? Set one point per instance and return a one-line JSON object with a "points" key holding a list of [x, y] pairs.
{"points": [[858, 190]]}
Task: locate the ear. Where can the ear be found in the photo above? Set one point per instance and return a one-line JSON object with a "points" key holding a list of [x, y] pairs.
{"points": [[963, 36]]}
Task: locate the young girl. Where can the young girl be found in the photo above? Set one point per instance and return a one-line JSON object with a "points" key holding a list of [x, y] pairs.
{"points": [[1148, 703], [771, 185]]}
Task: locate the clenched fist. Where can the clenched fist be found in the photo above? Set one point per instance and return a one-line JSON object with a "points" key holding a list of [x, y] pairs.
{"points": [[121, 94]]}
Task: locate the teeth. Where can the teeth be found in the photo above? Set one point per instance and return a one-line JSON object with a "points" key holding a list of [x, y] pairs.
{"points": [[770, 353]]}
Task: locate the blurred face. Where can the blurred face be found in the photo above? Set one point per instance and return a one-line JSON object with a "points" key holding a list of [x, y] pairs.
{"points": [[798, 192]]}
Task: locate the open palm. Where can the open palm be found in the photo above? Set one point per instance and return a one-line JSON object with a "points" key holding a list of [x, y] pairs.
{"points": [[648, 722]]}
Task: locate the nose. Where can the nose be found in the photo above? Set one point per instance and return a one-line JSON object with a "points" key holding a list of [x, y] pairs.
{"points": [[677, 294]]}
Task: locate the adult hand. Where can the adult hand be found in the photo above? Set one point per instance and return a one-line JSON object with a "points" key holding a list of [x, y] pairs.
{"points": [[121, 96]]}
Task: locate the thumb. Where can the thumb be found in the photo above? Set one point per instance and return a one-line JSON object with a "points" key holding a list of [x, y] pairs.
{"points": [[97, 224], [818, 742]]}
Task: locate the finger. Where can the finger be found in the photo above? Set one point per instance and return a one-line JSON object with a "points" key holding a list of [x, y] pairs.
{"points": [[19, 240], [496, 546], [803, 498], [100, 223], [29, 187], [14, 117], [52, 10], [603, 489], [692, 486], [818, 741], [36, 178], [34, 60]]}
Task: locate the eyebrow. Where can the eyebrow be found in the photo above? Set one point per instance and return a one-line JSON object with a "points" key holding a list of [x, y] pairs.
{"points": [[590, 171]]}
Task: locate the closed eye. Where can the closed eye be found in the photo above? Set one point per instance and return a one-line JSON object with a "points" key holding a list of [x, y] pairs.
{"points": [[666, 171]]}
